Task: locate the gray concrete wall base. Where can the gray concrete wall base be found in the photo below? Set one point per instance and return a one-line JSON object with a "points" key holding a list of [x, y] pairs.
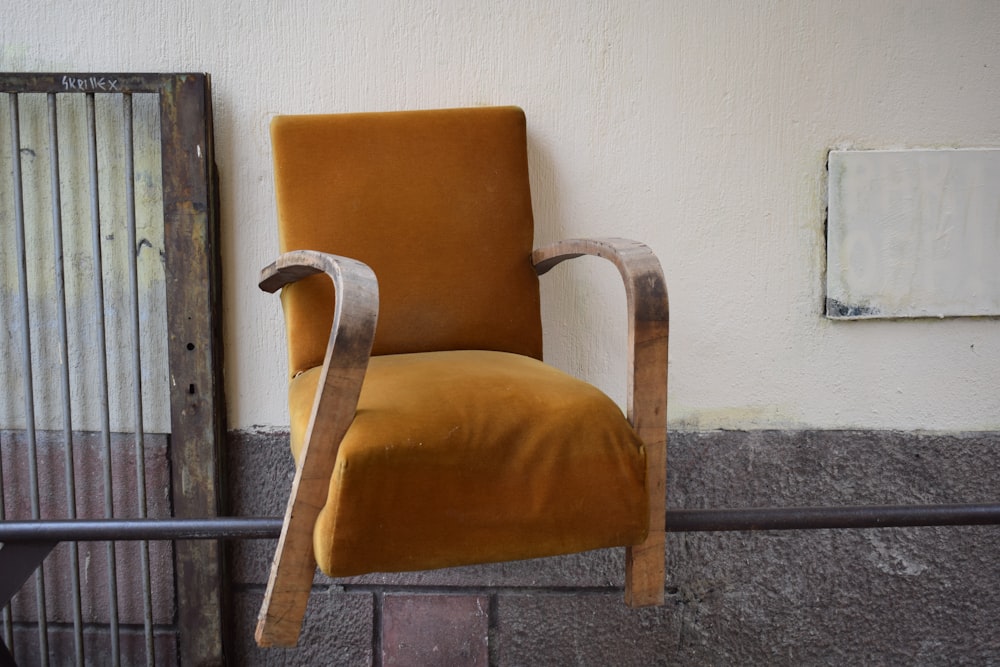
{"points": [[916, 596]]}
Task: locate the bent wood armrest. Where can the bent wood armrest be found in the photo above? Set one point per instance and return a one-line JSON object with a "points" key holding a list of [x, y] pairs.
{"points": [[344, 366], [648, 331]]}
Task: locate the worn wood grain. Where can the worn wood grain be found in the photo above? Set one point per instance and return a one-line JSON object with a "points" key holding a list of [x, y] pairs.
{"points": [[648, 333], [344, 366]]}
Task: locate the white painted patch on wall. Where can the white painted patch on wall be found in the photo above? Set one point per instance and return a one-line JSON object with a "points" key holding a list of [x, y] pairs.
{"points": [[913, 233]]}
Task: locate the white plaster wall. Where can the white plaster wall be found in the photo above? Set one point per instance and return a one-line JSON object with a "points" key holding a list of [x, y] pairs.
{"points": [[699, 127]]}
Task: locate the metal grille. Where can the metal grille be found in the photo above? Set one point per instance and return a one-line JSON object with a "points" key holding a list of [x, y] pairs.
{"points": [[108, 267]]}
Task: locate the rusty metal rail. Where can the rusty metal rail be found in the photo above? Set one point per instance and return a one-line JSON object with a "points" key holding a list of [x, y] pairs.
{"points": [[99, 530], [28, 543], [677, 521], [33, 540], [814, 518]]}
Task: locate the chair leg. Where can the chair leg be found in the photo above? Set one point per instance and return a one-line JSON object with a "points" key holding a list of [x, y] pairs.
{"points": [[287, 595], [280, 620], [648, 317], [645, 563], [645, 571]]}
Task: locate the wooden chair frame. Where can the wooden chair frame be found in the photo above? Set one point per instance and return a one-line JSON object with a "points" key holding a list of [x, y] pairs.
{"points": [[343, 371]]}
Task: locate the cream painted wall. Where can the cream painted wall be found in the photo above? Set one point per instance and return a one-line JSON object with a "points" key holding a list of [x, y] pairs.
{"points": [[699, 127]]}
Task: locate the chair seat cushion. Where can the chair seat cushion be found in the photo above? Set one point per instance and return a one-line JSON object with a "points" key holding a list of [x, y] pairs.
{"points": [[467, 457]]}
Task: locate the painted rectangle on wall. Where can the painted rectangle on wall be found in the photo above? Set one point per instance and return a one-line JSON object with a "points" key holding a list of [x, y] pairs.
{"points": [[913, 233]]}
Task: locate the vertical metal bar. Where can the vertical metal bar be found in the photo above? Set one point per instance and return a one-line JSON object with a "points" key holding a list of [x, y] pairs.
{"points": [[29, 391], [102, 356], [8, 625], [6, 614], [67, 422], [140, 447]]}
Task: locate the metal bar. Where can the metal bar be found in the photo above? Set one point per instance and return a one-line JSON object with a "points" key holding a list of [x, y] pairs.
{"points": [[99, 530], [139, 425], [29, 391], [67, 421], [102, 356], [812, 518], [8, 623], [27, 543], [678, 521]]}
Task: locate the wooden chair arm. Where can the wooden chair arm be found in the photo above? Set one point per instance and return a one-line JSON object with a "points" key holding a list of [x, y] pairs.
{"points": [[648, 332], [344, 366]]}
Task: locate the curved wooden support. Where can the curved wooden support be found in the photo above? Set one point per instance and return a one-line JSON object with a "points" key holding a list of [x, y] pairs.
{"points": [[344, 366], [648, 332]]}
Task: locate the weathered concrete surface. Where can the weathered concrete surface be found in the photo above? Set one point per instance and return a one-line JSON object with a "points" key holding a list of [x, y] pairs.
{"points": [[338, 630], [923, 596]]}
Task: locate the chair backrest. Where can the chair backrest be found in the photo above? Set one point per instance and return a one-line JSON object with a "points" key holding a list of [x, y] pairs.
{"points": [[436, 202]]}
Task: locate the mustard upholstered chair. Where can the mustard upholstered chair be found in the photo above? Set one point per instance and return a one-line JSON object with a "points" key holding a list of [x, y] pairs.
{"points": [[438, 437]]}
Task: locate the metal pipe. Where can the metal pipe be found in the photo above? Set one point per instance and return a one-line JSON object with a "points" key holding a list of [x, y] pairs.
{"points": [[8, 623], [67, 421], [98, 530], [139, 425], [812, 518], [677, 521], [29, 390], [102, 356]]}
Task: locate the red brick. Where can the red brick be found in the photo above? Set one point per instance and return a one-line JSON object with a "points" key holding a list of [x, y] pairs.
{"points": [[435, 630]]}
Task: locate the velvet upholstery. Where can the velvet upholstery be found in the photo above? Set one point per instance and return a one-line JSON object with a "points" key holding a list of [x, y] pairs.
{"points": [[465, 447], [436, 202], [472, 456]]}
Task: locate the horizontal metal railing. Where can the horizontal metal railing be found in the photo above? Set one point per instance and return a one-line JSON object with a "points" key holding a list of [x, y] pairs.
{"points": [[28, 542], [677, 521], [813, 518], [98, 530]]}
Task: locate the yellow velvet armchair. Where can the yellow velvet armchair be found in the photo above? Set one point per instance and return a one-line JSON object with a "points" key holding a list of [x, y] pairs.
{"points": [[426, 429]]}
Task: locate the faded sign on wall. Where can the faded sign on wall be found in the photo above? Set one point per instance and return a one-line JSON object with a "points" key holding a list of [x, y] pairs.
{"points": [[913, 233]]}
